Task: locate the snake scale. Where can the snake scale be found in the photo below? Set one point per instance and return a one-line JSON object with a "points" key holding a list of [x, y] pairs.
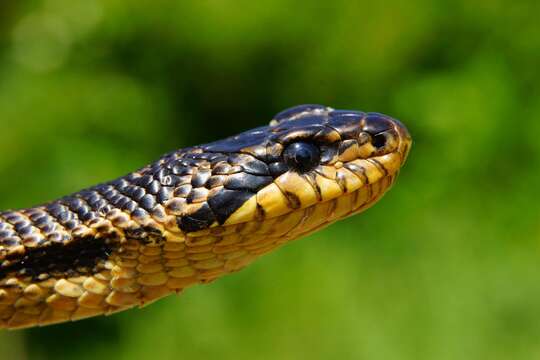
{"points": [[194, 215]]}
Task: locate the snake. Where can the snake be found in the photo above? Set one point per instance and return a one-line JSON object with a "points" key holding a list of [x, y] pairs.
{"points": [[194, 215]]}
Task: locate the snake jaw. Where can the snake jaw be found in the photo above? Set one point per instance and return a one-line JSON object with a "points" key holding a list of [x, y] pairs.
{"points": [[194, 215]]}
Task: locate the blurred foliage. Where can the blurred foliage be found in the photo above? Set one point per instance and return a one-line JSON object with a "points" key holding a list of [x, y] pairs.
{"points": [[445, 267]]}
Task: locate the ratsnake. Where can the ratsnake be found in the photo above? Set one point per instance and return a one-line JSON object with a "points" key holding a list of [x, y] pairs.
{"points": [[194, 215]]}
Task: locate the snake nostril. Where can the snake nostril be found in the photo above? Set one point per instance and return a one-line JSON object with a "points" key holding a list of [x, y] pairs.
{"points": [[379, 141]]}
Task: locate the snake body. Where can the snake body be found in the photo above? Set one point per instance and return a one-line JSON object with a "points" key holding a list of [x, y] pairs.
{"points": [[194, 215]]}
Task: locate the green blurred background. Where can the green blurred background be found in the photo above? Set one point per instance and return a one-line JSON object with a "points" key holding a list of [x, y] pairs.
{"points": [[445, 267]]}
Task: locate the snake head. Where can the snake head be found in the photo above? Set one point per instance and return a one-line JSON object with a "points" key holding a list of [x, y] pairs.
{"points": [[310, 167]]}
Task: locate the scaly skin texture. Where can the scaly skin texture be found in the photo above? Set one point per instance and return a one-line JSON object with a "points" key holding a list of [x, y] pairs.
{"points": [[193, 216]]}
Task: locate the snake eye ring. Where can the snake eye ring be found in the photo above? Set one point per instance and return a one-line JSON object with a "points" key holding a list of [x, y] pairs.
{"points": [[302, 156]]}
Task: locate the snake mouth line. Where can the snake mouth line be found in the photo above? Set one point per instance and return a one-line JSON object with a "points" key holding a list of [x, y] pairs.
{"points": [[328, 211]]}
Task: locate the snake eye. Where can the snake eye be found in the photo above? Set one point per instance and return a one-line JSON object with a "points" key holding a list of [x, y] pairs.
{"points": [[302, 156]]}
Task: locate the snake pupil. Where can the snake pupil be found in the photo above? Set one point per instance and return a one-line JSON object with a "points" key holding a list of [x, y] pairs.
{"points": [[302, 156]]}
